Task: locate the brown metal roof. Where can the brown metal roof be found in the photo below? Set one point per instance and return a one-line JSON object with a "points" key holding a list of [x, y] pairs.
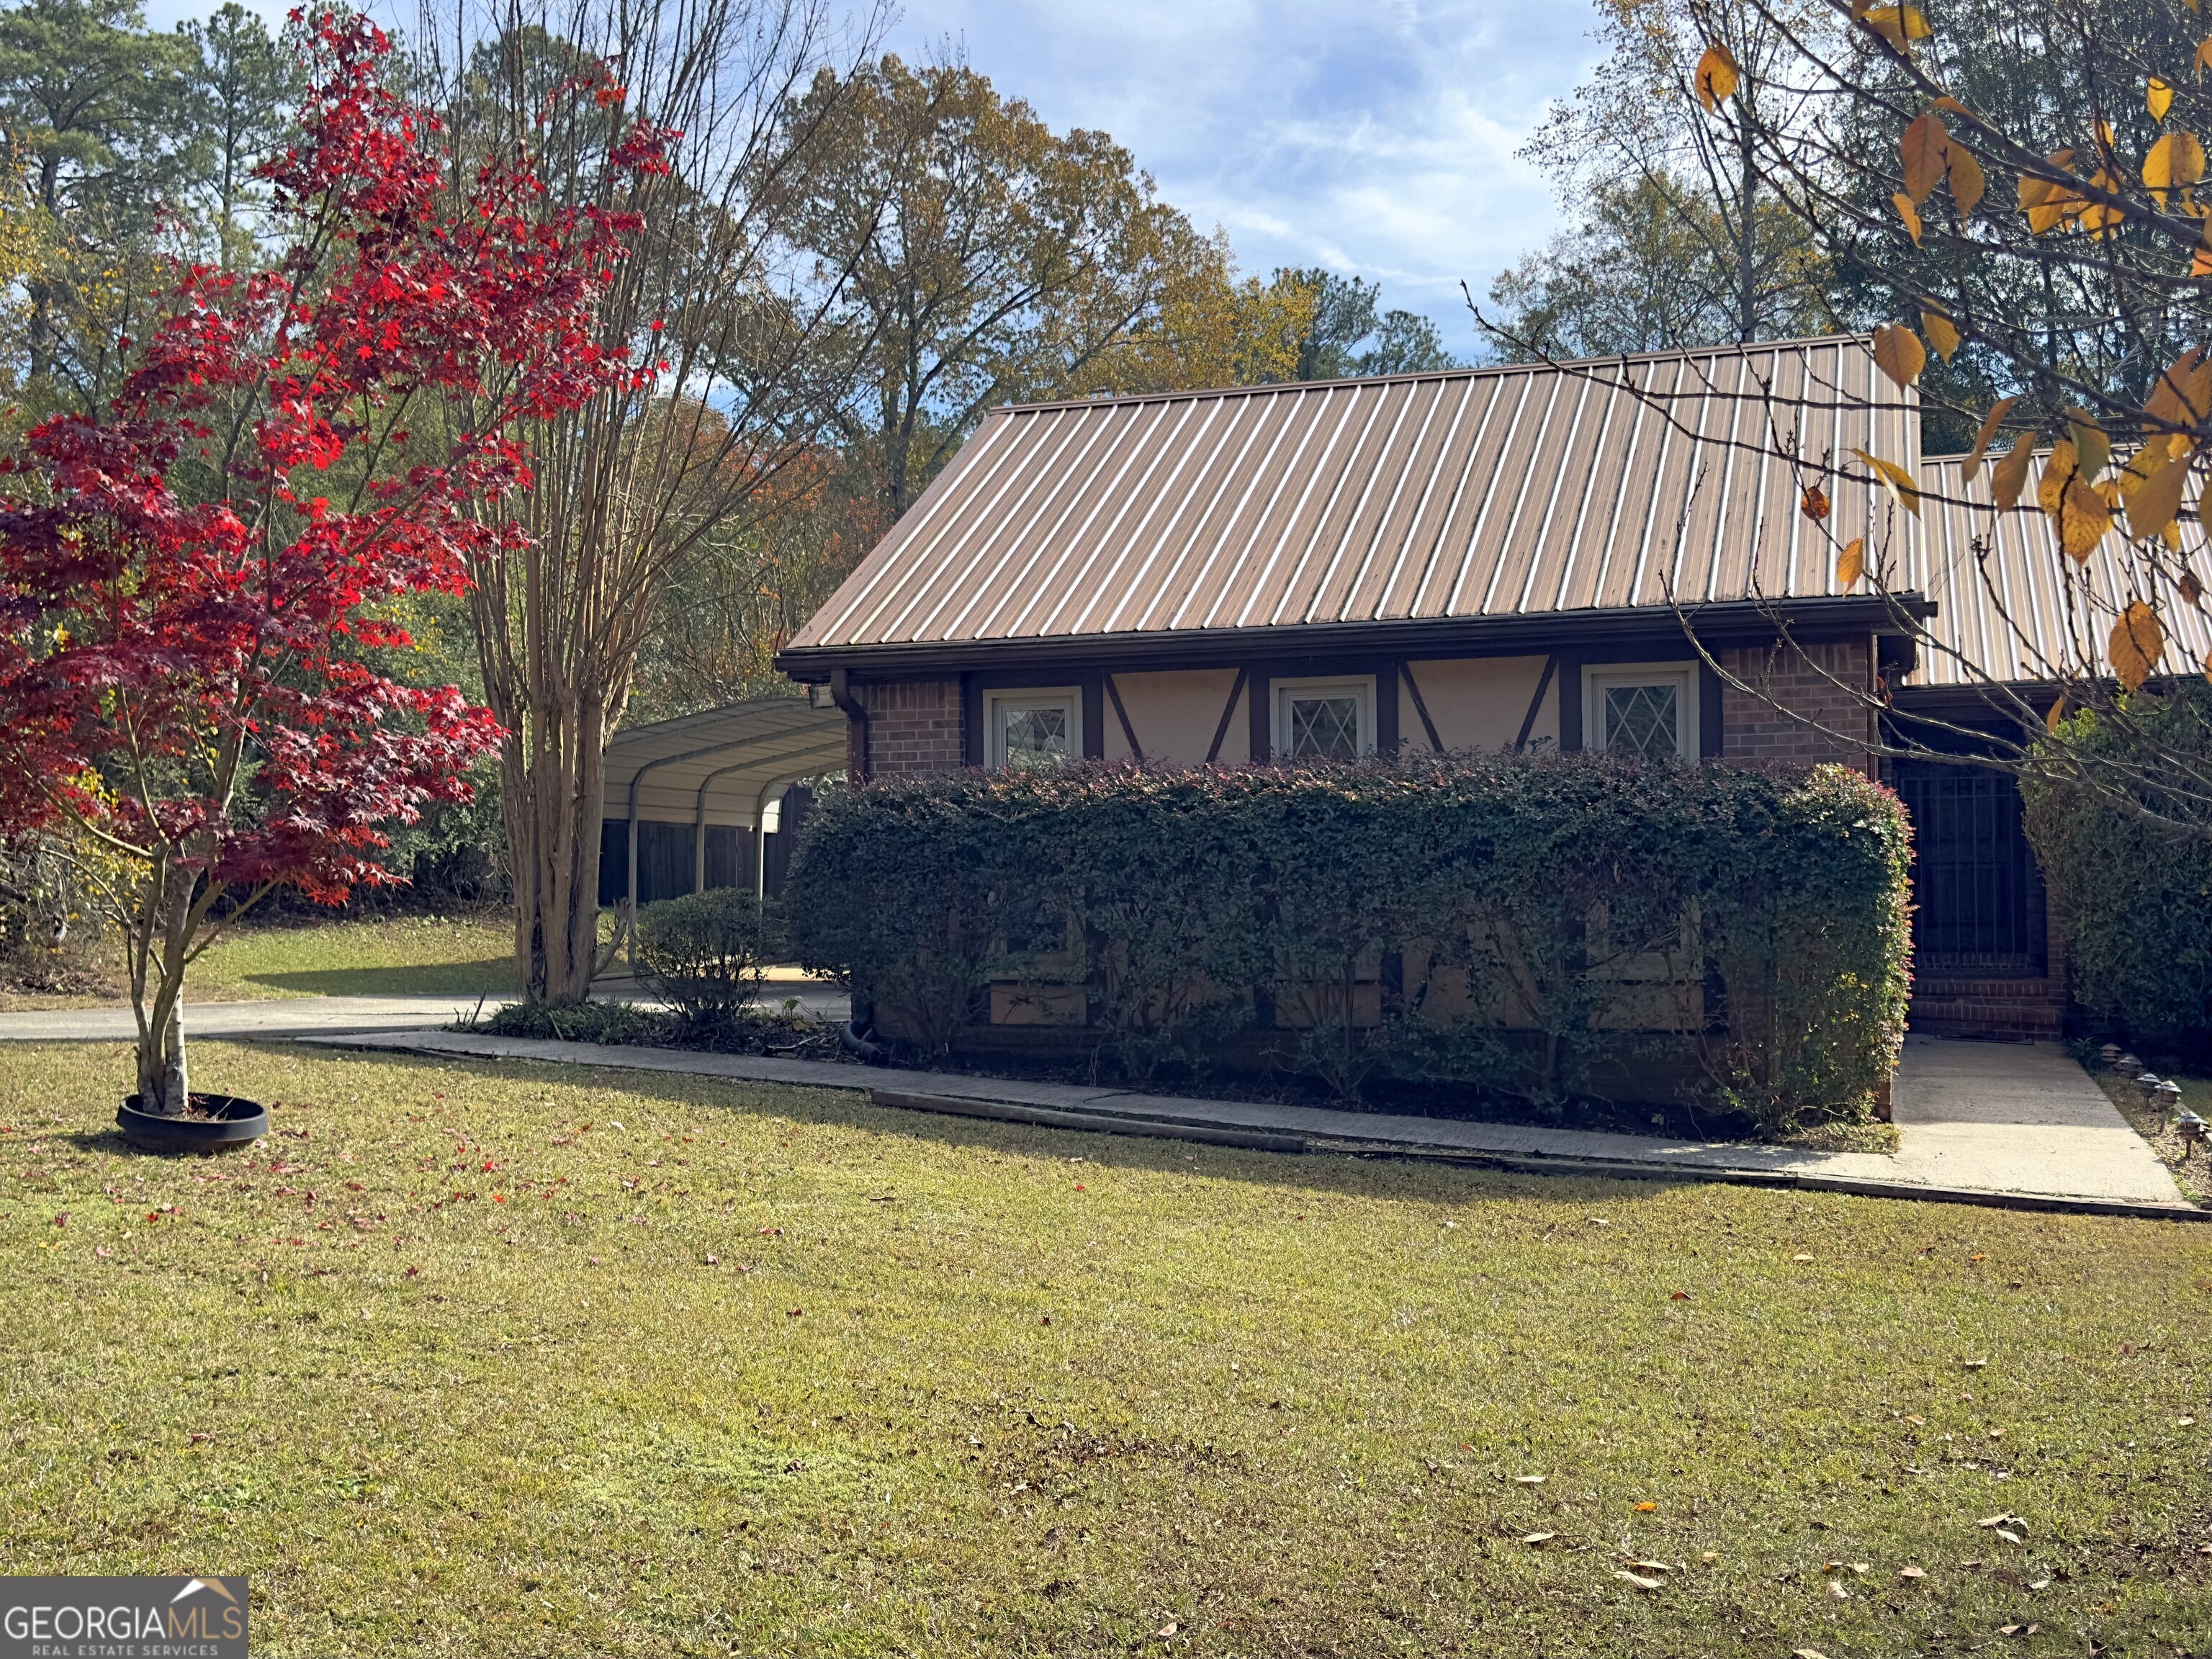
{"points": [[2010, 602], [1512, 491]]}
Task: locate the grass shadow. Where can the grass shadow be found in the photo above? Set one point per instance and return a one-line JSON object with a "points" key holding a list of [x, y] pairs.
{"points": [[491, 976], [1380, 1174]]}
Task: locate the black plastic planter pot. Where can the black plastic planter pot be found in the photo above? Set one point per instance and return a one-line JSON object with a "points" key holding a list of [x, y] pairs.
{"points": [[218, 1122]]}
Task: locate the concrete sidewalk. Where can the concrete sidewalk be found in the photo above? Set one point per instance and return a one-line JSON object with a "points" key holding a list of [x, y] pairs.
{"points": [[2001, 1124], [294, 1016]]}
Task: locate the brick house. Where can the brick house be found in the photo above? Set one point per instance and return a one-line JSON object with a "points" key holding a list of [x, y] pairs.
{"points": [[1477, 559]]}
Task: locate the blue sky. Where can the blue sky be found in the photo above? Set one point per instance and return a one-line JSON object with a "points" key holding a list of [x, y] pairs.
{"points": [[1376, 138]]}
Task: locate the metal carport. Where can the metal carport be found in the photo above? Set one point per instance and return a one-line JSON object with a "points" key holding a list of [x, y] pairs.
{"points": [[719, 768]]}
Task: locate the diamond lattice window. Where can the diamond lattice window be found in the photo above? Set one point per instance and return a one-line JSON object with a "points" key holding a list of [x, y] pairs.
{"points": [[1037, 735], [1643, 719], [1324, 729]]}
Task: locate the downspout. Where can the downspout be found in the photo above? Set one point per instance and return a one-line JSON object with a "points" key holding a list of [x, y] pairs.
{"points": [[840, 693]]}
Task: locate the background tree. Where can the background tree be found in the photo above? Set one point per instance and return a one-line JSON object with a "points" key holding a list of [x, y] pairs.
{"points": [[190, 580], [975, 256], [94, 105], [1344, 319], [240, 86], [1658, 195]]}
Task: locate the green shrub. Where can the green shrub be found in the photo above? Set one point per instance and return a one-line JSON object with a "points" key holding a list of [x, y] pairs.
{"points": [[585, 1022], [706, 954], [1558, 927], [2134, 894]]}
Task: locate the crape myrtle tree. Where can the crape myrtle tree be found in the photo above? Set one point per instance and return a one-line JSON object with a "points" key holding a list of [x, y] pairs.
{"points": [[196, 581], [743, 361], [2014, 192]]}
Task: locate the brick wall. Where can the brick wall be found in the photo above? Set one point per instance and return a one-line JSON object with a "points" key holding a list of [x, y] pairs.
{"points": [[913, 725], [1805, 680]]}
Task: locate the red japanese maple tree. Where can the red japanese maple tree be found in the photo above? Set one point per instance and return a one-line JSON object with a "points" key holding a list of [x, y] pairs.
{"points": [[196, 584]]}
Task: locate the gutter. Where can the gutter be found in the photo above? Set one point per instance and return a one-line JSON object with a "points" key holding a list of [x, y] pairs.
{"points": [[840, 693], [1729, 622]]}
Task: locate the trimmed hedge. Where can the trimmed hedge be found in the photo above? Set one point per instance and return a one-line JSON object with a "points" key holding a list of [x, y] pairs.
{"points": [[2135, 895], [1544, 927]]}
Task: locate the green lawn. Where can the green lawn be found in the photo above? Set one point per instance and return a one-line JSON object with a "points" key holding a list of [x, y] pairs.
{"points": [[740, 1370], [305, 957]]}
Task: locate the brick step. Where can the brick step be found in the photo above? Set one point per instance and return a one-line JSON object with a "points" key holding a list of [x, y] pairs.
{"points": [[1989, 1007]]}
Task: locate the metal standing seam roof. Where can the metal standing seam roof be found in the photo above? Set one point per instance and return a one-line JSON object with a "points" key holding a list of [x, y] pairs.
{"points": [[2009, 599], [1494, 492], [723, 758]]}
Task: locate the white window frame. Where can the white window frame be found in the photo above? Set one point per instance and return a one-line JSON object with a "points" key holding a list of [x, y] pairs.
{"points": [[997, 703], [1361, 686], [1599, 678]]}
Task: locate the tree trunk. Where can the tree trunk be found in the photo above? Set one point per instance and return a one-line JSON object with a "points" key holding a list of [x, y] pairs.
{"points": [[164, 1086], [554, 784]]}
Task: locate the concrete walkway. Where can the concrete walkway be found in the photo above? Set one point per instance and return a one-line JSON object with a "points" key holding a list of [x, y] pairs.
{"points": [[2013, 1125], [293, 1016]]}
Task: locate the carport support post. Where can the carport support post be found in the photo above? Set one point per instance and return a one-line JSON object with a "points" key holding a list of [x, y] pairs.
{"points": [[760, 842], [699, 843]]}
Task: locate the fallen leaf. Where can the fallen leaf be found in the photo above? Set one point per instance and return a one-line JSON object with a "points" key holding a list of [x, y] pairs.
{"points": [[2184, 1422], [1801, 1256], [1652, 1566], [1167, 1630], [713, 1261], [1638, 1580], [1678, 1296], [2040, 1583], [1538, 1537], [2009, 1536], [1715, 1555], [1530, 1479], [1978, 1255], [1645, 1508], [1911, 1572], [1836, 1589], [1807, 1653]]}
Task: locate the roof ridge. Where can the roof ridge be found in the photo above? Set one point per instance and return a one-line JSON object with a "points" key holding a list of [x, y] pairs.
{"points": [[1675, 354]]}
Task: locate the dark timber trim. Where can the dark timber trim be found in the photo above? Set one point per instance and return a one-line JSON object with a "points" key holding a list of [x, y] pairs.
{"points": [[1536, 705], [1120, 714], [1420, 706], [1228, 712]]}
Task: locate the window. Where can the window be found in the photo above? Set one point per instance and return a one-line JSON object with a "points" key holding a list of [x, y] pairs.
{"points": [[1034, 728], [1649, 709], [1324, 719]]}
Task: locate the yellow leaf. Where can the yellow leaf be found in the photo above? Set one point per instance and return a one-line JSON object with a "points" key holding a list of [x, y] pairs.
{"points": [[2091, 449], [2160, 98], [1967, 182], [1941, 333], [1909, 214], [2203, 56], [1898, 25], [2049, 202], [1899, 354], [1991, 421], [1717, 75], [1894, 478], [2158, 502], [2084, 516], [1952, 104], [2056, 714], [1851, 563], [2183, 395], [2175, 161], [2061, 469], [2136, 644], [1924, 151], [2010, 476]]}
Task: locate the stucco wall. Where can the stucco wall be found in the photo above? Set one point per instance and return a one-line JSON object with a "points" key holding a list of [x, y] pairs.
{"points": [[1175, 715], [1479, 702]]}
